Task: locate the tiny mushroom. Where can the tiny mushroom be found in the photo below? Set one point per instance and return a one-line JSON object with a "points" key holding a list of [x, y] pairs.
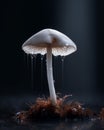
{"points": [[49, 41]]}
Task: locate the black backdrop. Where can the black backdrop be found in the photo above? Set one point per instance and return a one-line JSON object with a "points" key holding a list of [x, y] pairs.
{"points": [[81, 20]]}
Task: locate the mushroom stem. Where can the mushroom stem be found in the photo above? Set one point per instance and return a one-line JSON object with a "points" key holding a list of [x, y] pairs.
{"points": [[50, 76]]}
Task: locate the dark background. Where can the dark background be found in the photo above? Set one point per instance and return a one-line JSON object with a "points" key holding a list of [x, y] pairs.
{"points": [[81, 20]]}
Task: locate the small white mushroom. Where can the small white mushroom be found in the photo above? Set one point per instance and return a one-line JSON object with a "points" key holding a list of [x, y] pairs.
{"points": [[49, 41]]}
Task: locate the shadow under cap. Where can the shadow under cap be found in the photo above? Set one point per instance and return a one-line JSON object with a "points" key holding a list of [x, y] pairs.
{"points": [[59, 42]]}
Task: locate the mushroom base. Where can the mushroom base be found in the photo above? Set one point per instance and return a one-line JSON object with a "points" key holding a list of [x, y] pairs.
{"points": [[44, 110]]}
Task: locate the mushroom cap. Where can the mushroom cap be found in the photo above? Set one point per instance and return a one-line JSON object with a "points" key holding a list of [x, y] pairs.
{"points": [[59, 42]]}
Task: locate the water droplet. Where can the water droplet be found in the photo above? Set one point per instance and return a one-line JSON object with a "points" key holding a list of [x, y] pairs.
{"points": [[34, 55], [62, 58], [42, 57], [35, 72], [32, 71], [62, 70], [27, 60]]}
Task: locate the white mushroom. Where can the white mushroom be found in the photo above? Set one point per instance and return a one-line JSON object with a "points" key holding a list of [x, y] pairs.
{"points": [[49, 41]]}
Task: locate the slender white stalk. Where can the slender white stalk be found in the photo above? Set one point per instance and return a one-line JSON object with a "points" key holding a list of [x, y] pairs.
{"points": [[50, 76]]}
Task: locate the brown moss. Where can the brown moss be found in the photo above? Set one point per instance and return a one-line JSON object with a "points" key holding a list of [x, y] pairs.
{"points": [[43, 109]]}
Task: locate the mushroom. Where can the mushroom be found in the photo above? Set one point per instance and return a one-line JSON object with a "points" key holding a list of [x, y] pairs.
{"points": [[49, 41]]}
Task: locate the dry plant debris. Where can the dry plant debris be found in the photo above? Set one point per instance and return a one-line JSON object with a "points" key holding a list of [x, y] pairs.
{"points": [[43, 109], [101, 115]]}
